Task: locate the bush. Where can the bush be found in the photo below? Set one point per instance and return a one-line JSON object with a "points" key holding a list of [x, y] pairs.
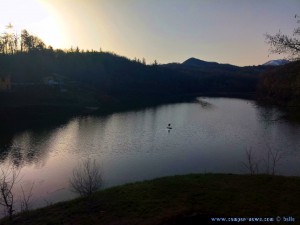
{"points": [[86, 178]]}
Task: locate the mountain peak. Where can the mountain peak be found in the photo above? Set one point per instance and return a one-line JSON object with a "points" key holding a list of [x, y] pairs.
{"points": [[277, 62], [196, 62]]}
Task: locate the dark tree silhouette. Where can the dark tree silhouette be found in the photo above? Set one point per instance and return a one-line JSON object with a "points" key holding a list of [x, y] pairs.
{"points": [[282, 43], [30, 42], [87, 178], [96, 77], [8, 179], [9, 41]]}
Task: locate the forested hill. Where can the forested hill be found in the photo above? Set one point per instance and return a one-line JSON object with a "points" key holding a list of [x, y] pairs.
{"points": [[219, 78], [282, 85], [105, 73], [41, 74], [101, 71]]}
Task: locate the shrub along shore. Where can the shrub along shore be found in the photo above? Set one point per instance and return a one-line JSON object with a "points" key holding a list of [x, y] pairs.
{"points": [[188, 199]]}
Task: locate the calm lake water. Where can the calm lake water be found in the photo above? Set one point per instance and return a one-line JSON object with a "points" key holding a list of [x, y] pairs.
{"points": [[211, 135]]}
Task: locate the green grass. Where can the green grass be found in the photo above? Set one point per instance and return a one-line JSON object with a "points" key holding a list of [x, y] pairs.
{"points": [[177, 199]]}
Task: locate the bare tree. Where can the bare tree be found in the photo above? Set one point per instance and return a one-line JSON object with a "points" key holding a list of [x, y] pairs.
{"points": [[272, 159], [281, 43], [86, 178], [251, 163], [8, 179], [26, 199], [29, 42]]}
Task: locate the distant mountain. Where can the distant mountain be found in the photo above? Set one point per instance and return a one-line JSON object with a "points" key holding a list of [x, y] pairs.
{"points": [[197, 62], [277, 62], [200, 67], [201, 63], [217, 77]]}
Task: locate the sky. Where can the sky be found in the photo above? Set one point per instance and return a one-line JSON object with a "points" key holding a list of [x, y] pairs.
{"points": [[224, 31]]}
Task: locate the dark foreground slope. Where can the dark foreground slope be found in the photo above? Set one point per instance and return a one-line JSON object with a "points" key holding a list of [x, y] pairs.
{"points": [[190, 199]]}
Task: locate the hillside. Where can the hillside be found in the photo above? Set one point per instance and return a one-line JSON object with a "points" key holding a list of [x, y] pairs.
{"points": [[214, 77], [178, 200], [282, 85], [88, 78], [33, 75], [194, 62]]}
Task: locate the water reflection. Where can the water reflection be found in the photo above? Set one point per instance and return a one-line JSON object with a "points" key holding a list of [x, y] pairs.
{"points": [[203, 103], [216, 122], [210, 135]]}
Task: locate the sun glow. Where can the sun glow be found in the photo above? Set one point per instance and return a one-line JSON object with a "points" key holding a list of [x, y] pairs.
{"points": [[36, 17], [168, 31]]}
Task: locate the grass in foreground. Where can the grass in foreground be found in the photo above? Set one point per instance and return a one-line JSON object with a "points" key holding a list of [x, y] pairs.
{"points": [[189, 199]]}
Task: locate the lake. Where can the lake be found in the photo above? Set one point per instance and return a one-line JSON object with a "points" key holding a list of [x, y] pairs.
{"points": [[211, 135]]}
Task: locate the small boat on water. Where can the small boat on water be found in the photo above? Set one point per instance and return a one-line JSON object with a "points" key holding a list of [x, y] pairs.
{"points": [[169, 127]]}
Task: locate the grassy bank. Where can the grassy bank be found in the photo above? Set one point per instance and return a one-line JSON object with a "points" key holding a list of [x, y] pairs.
{"points": [[189, 199]]}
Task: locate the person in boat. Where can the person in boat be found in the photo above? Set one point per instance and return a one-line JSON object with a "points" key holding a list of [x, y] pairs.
{"points": [[169, 126]]}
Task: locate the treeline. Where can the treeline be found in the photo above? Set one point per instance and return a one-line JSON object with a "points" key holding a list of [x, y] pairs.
{"points": [[11, 43], [26, 59], [281, 85], [102, 75], [220, 78], [104, 70]]}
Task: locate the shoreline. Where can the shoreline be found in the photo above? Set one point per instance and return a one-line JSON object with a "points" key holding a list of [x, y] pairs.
{"points": [[21, 116]]}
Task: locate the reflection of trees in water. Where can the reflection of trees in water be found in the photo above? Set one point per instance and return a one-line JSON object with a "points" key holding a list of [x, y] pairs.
{"points": [[25, 148], [268, 114], [23, 142], [204, 104], [33, 147], [289, 130], [279, 141]]}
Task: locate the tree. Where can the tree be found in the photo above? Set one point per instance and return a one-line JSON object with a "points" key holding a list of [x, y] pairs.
{"points": [[8, 179], [26, 199], [87, 178], [251, 164], [281, 43], [24, 41], [9, 41], [30, 42]]}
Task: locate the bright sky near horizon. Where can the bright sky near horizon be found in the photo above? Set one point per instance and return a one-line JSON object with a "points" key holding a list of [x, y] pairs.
{"points": [[225, 31]]}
